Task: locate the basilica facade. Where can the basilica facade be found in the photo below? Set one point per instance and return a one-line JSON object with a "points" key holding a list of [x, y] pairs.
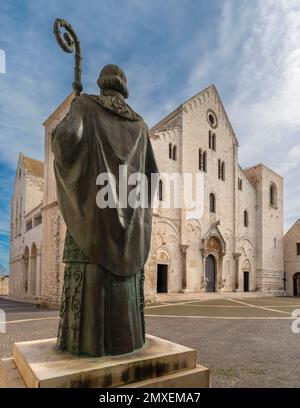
{"points": [[234, 244]]}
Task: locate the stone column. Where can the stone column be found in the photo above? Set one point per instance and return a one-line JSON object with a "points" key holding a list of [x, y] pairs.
{"points": [[18, 268], [38, 273], [184, 249], [25, 276], [30, 260], [220, 259], [204, 254], [236, 286], [20, 271]]}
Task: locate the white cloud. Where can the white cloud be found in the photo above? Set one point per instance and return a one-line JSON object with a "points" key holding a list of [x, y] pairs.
{"points": [[257, 66]]}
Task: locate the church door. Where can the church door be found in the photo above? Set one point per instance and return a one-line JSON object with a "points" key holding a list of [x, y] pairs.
{"points": [[296, 279], [162, 278], [210, 273], [246, 281]]}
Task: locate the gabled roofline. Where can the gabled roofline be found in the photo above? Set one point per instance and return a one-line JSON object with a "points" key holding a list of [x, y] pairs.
{"points": [[170, 116], [178, 110], [20, 160], [292, 226], [55, 113]]}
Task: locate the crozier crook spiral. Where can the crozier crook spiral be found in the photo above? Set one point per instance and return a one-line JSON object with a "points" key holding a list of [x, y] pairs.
{"points": [[68, 41]]}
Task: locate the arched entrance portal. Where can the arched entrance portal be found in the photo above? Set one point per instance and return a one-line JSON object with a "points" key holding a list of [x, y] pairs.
{"points": [[210, 273], [246, 267], [296, 279]]}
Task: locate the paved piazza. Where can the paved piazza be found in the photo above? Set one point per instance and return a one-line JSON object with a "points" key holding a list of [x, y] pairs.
{"points": [[246, 342]]}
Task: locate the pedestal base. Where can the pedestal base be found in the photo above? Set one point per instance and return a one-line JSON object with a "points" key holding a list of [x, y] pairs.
{"points": [[160, 363]]}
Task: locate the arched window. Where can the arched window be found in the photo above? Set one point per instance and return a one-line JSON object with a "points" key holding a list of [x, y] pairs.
{"points": [[212, 203], [204, 160], [200, 159], [175, 152], [160, 190], [223, 171], [219, 169], [214, 142], [210, 139], [273, 195], [246, 218], [170, 150], [240, 184]]}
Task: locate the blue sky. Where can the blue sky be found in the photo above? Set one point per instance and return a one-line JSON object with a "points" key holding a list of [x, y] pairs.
{"points": [[170, 50]]}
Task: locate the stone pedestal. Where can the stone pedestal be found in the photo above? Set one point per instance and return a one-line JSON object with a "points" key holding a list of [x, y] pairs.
{"points": [[160, 363]]}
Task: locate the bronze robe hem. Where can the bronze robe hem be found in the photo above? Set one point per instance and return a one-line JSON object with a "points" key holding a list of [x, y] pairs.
{"points": [[101, 313]]}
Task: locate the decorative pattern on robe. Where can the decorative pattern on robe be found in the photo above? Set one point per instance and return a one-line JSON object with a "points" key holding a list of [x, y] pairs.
{"points": [[78, 303]]}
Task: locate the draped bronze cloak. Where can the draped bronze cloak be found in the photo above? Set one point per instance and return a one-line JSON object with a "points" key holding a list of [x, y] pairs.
{"points": [[99, 134]]}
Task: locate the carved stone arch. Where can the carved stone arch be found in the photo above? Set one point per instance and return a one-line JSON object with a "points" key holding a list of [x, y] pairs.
{"points": [[192, 233], [162, 255], [242, 251], [159, 235], [189, 228], [229, 231], [247, 246], [214, 232], [193, 225], [246, 265], [164, 222], [171, 238], [244, 239]]}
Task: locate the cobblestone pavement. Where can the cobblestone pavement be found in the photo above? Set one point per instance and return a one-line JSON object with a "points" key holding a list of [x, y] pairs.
{"points": [[246, 342]]}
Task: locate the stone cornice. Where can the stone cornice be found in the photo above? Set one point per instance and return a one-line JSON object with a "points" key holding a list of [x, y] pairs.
{"points": [[46, 207]]}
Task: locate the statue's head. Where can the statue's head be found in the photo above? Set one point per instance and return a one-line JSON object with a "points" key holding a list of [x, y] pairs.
{"points": [[113, 78]]}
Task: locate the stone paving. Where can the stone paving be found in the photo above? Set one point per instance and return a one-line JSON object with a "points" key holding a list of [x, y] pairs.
{"points": [[246, 342]]}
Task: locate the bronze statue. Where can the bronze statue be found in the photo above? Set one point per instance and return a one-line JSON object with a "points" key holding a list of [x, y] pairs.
{"points": [[102, 310]]}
